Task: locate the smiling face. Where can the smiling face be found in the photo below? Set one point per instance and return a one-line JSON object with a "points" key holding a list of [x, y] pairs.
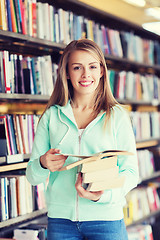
{"points": [[84, 72]]}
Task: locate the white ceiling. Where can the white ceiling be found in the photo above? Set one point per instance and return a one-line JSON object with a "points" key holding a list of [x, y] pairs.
{"points": [[124, 10]]}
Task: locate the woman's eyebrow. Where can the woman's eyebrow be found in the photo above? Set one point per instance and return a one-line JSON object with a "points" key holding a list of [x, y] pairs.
{"points": [[89, 63]]}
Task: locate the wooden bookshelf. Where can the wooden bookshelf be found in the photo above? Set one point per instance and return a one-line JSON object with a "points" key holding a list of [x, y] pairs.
{"points": [[147, 143], [23, 218], [29, 98], [144, 219], [150, 178], [27, 103], [12, 167], [27, 44]]}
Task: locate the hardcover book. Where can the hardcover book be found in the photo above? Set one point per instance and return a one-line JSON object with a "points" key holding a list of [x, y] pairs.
{"points": [[99, 171]]}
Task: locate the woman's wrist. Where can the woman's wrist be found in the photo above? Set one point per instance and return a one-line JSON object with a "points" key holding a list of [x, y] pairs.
{"points": [[41, 163]]}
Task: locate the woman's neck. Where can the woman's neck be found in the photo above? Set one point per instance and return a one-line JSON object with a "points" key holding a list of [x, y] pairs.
{"points": [[83, 103]]}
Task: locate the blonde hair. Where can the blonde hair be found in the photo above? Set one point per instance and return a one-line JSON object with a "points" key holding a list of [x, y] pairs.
{"points": [[63, 90]]}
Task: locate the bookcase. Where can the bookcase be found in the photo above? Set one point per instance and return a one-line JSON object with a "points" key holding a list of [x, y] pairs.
{"points": [[133, 59]]}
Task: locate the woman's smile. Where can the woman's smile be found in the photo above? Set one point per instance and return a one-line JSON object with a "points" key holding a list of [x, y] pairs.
{"points": [[85, 83]]}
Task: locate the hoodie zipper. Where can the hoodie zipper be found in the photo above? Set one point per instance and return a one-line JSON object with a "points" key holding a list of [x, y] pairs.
{"points": [[77, 197]]}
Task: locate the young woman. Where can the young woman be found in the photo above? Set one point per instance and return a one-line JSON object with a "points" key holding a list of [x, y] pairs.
{"points": [[82, 117]]}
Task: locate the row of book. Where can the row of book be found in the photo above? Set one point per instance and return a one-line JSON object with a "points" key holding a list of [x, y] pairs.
{"points": [[27, 75], [17, 134], [140, 232], [146, 125], [18, 197], [44, 21], [146, 164], [141, 202], [134, 86]]}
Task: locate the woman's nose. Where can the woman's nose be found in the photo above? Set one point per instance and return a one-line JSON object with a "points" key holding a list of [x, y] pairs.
{"points": [[86, 73]]}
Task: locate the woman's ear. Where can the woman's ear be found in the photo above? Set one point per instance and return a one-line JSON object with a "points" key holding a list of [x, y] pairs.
{"points": [[102, 71], [68, 76]]}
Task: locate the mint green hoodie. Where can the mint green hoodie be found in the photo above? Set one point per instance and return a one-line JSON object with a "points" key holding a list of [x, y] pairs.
{"points": [[58, 129]]}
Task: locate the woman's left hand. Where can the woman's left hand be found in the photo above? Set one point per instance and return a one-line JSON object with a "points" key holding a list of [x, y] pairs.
{"points": [[94, 196]]}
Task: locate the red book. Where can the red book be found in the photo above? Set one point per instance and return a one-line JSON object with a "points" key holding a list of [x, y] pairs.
{"points": [[23, 14], [6, 71], [34, 19]]}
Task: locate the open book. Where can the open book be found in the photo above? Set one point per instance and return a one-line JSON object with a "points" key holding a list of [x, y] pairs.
{"points": [[94, 157]]}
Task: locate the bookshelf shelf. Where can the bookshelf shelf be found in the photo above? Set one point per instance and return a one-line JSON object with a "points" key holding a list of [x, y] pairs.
{"points": [[147, 143], [7, 97], [125, 63], [11, 167], [23, 218], [138, 102], [144, 219], [27, 44], [150, 178]]}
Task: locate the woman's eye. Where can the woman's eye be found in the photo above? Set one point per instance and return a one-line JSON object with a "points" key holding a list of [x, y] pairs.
{"points": [[93, 67], [76, 68]]}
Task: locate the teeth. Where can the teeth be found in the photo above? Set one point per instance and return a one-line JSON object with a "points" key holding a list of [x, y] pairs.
{"points": [[85, 83]]}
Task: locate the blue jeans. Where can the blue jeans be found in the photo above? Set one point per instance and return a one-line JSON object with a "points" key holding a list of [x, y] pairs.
{"points": [[63, 229]]}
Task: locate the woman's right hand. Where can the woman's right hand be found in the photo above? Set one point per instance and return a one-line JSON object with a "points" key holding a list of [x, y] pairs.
{"points": [[52, 161]]}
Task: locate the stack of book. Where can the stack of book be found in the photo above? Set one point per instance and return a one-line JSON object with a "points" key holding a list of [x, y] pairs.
{"points": [[99, 171]]}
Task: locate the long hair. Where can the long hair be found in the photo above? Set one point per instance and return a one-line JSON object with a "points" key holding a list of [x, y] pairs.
{"points": [[63, 90]]}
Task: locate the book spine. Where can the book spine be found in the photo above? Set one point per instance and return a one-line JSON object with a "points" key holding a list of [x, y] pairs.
{"points": [[13, 17], [9, 15], [34, 19], [17, 16]]}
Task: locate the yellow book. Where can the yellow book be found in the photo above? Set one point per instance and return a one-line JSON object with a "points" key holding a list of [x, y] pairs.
{"points": [[109, 162], [106, 184], [3, 16], [100, 175]]}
